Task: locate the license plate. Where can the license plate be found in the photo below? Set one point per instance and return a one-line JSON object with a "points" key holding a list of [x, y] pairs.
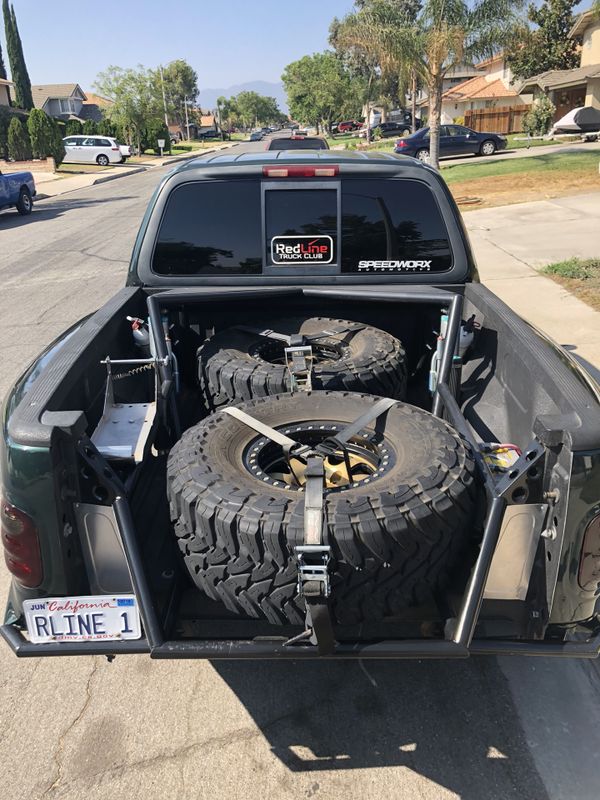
{"points": [[78, 619]]}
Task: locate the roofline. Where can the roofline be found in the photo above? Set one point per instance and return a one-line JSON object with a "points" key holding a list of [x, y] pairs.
{"points": [[582, 22]]}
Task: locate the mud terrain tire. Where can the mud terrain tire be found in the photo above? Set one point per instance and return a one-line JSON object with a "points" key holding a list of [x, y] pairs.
{"points": [[235, 365], [393, 539]]}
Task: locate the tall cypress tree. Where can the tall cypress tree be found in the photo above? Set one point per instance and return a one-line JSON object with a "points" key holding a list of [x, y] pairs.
{"points": [[2, 67], [23, 73], [18, 68]]}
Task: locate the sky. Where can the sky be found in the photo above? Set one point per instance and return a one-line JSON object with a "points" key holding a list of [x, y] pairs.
{"points": [[227, 42]]}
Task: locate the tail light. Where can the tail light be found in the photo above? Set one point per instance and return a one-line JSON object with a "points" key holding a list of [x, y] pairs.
{"points": [[401, 143], [301, 172], [21, 545], [589, 562]]}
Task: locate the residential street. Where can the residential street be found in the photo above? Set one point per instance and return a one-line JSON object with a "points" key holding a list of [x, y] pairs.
{"points": [[483, 729]]}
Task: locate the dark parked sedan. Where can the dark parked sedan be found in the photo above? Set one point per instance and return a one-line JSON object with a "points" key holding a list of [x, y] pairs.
{"points": [[455, 140]]}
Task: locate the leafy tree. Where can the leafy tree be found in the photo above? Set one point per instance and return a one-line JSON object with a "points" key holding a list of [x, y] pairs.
{"points": [[548, 46], [180, 85], [73, 128], [317, 88], [136, 102], [89, 127], [18, 68], [19, 146], [539, 118], [40, 132], [254, 109], [443, 34]]}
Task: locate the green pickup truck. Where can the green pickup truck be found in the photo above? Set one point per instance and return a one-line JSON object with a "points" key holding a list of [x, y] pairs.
{"points": [[303, 429]]}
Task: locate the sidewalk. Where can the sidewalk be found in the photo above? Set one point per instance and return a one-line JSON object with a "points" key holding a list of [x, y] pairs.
{"points": [[512, 243]]}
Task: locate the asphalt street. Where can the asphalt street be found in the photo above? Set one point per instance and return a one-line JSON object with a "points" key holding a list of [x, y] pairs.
{"points": [[72, 728]]}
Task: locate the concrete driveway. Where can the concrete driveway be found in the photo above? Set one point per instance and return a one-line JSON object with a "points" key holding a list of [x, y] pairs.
{"points": [[73, 728], [512, 243]]}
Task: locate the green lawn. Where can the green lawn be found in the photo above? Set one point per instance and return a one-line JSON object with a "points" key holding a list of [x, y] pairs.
{"points": [[549, 162]]}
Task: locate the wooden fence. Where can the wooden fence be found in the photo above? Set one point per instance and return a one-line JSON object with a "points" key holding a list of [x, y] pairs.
{"points": [[503, 119]]}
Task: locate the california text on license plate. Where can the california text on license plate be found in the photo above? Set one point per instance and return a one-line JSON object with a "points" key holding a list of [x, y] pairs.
{"points": [[77, 619]]}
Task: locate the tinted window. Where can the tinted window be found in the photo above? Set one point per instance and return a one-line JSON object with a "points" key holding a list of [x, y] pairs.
{"points": [[393, 221], [304, 212], [211, 229], [304, 143]]}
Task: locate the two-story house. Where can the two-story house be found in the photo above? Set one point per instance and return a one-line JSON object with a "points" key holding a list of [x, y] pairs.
{"points": [[61, 100], [573, 88]]}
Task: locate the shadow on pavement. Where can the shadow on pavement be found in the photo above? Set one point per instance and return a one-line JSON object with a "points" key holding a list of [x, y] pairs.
{"points": [[453, 723], [55, 208]]}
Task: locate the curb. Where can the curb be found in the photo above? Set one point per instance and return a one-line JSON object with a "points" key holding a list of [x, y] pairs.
{"points": [[122, 175]]}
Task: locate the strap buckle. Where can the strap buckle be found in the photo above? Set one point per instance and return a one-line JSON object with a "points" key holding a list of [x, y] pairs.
{"points": [[313, 568], [299, 361]]}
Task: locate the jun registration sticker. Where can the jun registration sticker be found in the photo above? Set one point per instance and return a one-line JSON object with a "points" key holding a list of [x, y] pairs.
{"points": [[302, 250]]}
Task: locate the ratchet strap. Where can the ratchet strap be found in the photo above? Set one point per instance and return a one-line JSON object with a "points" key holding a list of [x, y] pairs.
{"points": [[313, 561]]}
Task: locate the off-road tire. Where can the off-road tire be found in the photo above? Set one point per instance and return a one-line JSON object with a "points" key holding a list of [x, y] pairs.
{"points": [[394, 539], [230, 370]]}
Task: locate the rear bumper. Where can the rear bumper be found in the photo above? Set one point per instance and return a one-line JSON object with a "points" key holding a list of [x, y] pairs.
{"points": [[275, 649]]}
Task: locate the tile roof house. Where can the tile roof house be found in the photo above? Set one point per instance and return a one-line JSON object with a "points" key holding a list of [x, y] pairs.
{"points": [[490, 88], [94, 106], [572, 88], [5, 92]]}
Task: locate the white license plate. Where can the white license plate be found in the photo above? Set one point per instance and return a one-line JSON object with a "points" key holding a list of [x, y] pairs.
{"points": [[78, 619]]}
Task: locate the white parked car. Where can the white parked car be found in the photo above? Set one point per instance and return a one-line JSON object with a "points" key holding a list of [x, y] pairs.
{"points": [[102, 150]]}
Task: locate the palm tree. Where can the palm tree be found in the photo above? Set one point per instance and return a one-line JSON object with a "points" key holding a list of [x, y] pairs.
{"points": [[443, 34]]}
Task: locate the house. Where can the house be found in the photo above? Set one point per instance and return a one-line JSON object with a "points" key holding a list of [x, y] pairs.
{"points": [[5, 92], [488, 88], [572, 88], [94, 107], [61, 100]]}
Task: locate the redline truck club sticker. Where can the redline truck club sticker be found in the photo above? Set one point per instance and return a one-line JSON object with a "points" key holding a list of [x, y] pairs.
{"points": [[394, 266], [301, 249]]}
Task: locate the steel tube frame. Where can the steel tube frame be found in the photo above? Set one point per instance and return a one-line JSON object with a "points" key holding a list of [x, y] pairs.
{"points": [[460, 645]]}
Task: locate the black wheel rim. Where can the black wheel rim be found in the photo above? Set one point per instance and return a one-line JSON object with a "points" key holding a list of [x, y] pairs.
{"points": [[367, 457]]}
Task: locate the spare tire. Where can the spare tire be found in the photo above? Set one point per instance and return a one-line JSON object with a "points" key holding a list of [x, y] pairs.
{"points": [[237, 364], [396, 525]]}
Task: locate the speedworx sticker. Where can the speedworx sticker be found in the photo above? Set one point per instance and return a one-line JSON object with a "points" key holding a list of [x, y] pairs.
{"points": [[394, 266], [302, 249]]}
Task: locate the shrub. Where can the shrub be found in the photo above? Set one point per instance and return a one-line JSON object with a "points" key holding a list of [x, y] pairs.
{"points": [[57, 147], [152, 134], [19, 146], [3, 135], [377, 133], [40, 132], [90, 127], [73, 128], [107, 127], [538, 119]]}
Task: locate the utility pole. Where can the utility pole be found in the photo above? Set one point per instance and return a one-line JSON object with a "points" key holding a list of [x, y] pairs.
{"points": [[187, 122], [162, 85]]}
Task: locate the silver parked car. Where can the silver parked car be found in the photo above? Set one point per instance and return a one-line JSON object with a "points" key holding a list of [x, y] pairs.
{"points": [[101, 150]]}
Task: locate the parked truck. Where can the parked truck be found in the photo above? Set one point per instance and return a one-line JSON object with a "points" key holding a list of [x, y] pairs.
{"points": [[17, 190], [303, 429]]}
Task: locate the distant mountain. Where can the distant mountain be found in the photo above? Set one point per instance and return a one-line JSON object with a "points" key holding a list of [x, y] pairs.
{"points": [[208, 97]]}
